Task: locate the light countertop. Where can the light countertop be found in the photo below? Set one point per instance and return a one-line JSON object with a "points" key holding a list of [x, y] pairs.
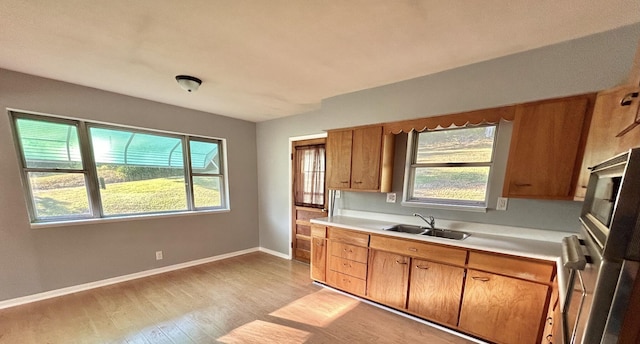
{"points": [[530, 243]]}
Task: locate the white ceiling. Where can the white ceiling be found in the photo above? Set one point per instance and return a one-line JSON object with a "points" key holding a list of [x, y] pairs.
{"points": [[264, 59]]}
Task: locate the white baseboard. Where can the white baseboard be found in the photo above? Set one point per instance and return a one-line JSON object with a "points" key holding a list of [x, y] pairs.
{"points": [[275, 253], [91, 285]]}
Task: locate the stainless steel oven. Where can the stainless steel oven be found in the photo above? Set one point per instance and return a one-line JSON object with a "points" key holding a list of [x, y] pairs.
{"points": [[602, 264]]}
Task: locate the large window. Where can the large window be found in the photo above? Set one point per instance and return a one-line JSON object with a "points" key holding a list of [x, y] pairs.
{"points": [[75, 170], [450, 167]]}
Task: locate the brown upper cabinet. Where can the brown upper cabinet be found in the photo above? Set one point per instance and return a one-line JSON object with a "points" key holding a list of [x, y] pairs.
{"points": [[614, 127], [624, 108], [610, 118], [360, 159], [547, 145]]}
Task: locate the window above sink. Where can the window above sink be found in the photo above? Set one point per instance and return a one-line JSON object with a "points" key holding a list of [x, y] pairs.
{"points": [[450, 168]]}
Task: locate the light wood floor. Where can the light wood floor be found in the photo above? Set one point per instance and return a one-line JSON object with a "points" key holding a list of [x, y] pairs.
{"points": [[255, 298]]}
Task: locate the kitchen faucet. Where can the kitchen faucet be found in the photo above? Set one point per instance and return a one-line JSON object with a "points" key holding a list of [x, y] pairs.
{"points": [[431, 221]]}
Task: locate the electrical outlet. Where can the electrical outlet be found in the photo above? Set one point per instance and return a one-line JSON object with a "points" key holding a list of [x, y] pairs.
{"points": [[158, 255], [502, 203], [338, 194], [391, 197]]}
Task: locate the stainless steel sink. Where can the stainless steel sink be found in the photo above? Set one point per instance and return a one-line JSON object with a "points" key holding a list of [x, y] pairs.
{"points": [[442, 233], [408, 229], [436, 232]]}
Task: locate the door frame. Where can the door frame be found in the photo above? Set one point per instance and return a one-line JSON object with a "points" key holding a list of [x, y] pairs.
{"points": [[290, 203]]}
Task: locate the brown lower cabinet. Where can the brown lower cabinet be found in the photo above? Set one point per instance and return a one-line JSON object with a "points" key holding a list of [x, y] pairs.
{"points": [[436, 290], [318, 252], [318, 258], [497, 297], [388, 278], [502, 309], [347, 255]]}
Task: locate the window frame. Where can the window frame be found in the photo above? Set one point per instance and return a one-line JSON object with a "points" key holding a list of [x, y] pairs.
{"points": [[296, 151], [89, 170], [189, 170], [440, 203]]}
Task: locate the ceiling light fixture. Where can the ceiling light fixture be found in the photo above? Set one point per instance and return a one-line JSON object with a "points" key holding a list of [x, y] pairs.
{"points": [[188, 83]]}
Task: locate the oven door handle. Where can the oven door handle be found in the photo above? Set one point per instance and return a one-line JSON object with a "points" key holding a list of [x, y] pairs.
{"points": [[572, 256]]}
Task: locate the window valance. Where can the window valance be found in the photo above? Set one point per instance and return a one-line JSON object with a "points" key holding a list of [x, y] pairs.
{"points": [[489, 116]]}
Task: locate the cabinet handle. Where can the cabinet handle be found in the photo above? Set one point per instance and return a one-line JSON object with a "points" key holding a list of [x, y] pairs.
{"points": [[346, 265], [412, 249], [522, 184], [357, 182], [346, 280], [401, 263], [550, 321], [422, 267], [549, 338], [628, 98], [481, 279], [347, 250], [344, 182], [627, 129]]}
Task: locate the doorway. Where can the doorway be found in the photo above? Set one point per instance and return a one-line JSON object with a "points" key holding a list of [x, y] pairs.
{"points": [[309, 198]]}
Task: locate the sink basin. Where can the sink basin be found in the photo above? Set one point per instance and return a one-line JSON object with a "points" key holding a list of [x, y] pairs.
{"points": [[408, 229], [441, 233]]}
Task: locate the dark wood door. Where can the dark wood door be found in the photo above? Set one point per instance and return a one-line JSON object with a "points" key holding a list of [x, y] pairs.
{"points": [[309, 193]]}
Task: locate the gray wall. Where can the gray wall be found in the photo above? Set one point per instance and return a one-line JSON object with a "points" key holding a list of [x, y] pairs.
{"points": [[583, 65], [551, 215], [37, 260]]}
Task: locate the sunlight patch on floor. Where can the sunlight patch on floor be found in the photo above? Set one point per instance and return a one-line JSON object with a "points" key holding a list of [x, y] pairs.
{"points": [[318, 309], [259, 331]]}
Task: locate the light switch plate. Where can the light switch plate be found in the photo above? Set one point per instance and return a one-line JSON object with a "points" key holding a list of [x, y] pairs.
{"points": [[502, 203], [158, 255], [391, 197]]}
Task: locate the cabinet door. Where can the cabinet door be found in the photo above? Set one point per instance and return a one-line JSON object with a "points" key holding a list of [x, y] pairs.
{"points": [[545, 148], [365, 158], [338, 162], [503, 309], [608, 120], [318, 258], [626, 101], [435, 291], [388, 278]]}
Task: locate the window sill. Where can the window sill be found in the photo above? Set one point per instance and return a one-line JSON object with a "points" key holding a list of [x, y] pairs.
{"points": [[65, 223], [476, 209]]}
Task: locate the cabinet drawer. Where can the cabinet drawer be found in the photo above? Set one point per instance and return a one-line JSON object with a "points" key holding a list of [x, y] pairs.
{"points": [[418, 249], [512, 266], [350, 252], [349, 267], [318, 231], [349, 237], [347, 283]]}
